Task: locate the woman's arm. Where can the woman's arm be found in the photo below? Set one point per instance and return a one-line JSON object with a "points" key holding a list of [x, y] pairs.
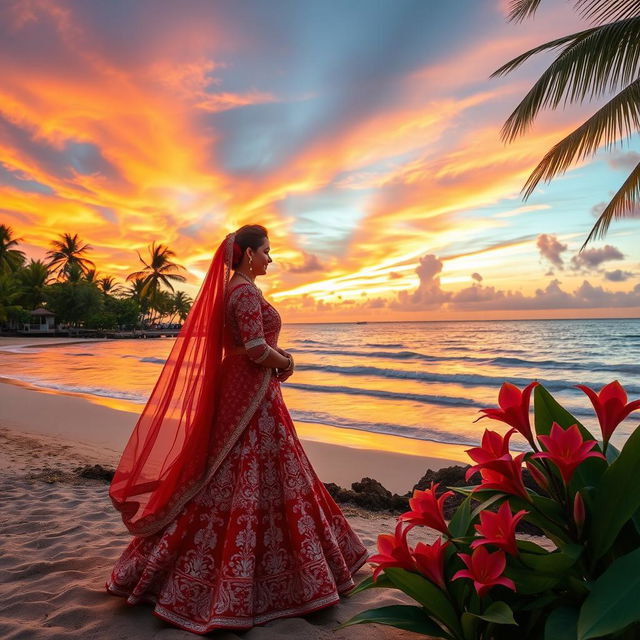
{"points": [[248, 314], [273, 359]]}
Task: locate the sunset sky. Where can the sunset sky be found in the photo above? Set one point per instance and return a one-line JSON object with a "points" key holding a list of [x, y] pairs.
{"points": [[364, 134]]}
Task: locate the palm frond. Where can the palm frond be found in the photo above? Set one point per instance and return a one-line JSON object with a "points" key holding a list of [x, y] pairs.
{"points": [[593, 62], [620, 117], [624, 202], [547, 46], [148, 266], [599, 11], [168, 266], [174, 276], [522, 9], [137, 275]]}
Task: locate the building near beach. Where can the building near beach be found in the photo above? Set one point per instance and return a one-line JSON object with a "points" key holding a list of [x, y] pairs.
{"points": [[42, 321]]}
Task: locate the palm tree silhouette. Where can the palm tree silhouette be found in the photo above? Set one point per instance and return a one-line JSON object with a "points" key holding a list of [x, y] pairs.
{"points": [[159, 270], [110, 286], [181, 304], [10, 258], [66, 253], [591, 64], [33, 278]]}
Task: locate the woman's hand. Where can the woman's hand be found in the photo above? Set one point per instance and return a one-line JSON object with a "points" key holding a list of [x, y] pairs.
{"points": [[281, 374], [284, 375]]}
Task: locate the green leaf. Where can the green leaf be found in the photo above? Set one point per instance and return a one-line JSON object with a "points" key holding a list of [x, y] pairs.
{"points": [[486, 503], [612, 604], [470, 625], [562, 624], [617, 497], [547, 515], [542, 572], [461, 521], [529, 582], [465, 491], [498, 612], [368, 583], [547, 410], [555, 562], [402, 617], [427, 594], [531, 547]]}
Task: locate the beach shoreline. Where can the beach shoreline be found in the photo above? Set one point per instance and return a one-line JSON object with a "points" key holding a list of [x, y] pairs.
{"points": [[339, 455]]}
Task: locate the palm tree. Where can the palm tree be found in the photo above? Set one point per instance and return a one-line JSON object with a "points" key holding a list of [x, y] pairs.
{"points": [[9, 296], [33, 280], [590, 64], [181, 304], [109, 286], [158, 271], [67, 252], [92, 275], [161, 305], [10, 258], [134, 292]]}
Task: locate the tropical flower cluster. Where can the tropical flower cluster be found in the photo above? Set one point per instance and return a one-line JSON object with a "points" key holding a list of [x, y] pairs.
{"points": [[478, 580]]}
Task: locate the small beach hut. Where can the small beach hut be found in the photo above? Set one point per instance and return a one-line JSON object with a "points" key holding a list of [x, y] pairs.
{"points": [[42, 321]]}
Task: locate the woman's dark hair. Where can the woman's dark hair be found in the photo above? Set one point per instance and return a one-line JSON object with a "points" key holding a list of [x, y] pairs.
{"points": [[250, 235]]}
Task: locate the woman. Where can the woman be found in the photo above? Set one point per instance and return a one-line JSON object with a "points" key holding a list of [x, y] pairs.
{"points": [[232, 526]]}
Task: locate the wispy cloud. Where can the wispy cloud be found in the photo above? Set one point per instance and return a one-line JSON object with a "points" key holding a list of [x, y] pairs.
{"points": [[364, 138]]}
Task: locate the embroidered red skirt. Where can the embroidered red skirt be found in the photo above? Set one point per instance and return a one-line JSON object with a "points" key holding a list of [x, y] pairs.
{"points": [[262, 540]]}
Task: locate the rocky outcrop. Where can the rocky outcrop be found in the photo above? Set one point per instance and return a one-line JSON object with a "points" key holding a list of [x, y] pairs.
{"points": [[369, 494], [95, 472]]}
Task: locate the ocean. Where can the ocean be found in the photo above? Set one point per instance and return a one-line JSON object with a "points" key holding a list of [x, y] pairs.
{"points": [[420, 380]]}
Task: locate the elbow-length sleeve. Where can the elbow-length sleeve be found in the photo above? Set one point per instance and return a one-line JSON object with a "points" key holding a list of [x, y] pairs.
{"points": [[248, 315]]}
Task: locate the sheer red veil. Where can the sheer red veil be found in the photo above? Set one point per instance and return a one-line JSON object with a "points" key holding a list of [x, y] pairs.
{"points": [[165, 461]]}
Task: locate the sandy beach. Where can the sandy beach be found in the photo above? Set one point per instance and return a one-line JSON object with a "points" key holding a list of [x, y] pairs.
{"points": [[60, 536]]}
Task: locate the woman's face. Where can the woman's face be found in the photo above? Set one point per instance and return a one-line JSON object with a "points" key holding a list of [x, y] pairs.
{"points": [[261, 258]]}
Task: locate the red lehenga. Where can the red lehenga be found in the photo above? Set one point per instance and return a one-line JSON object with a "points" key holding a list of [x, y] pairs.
{"points": [[262, 539]]}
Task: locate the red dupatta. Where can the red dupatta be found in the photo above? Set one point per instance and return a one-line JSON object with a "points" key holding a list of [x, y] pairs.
{"points": [[165, 461]]}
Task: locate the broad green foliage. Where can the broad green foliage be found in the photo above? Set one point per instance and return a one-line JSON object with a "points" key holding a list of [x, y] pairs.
{"points": [[478, 580], [69, 285]]}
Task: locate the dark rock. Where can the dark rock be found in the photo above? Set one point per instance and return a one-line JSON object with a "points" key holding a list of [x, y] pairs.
{"points": [[369, 494], [95, 472], [447, 477], [371, 486]]}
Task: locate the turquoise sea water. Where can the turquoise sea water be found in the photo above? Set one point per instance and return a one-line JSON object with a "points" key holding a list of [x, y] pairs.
{"points": [[423, 380]]}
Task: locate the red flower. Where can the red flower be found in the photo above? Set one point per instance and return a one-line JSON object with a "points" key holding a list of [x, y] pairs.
{"points": [[493, 446], [499, 529], [514, 408], [611, 406], [579, 512], [427, 510], [485, 569], [394, 552], [502, 474], [539, 477], [429, 560], [566, 449]]}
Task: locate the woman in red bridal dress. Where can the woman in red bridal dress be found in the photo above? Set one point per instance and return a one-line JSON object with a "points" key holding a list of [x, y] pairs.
{"points": [[232, 527]]}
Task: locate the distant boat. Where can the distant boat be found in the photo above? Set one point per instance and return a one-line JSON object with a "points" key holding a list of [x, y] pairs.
{"points": [[362, 322]]}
